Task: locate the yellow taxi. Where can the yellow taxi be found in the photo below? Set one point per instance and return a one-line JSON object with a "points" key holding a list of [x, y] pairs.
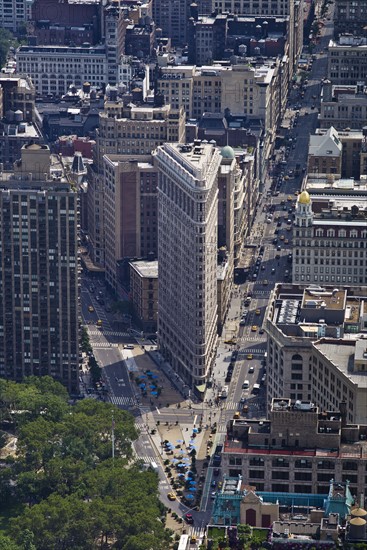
{"points": [[289, 198], [90, 309], [257, 312], [236, 415], [250, 356], [171, 496], [254, 328]]}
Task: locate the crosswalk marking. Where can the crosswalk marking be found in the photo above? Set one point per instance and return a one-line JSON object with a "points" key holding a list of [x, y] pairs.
{"points": [[145, 458], [103, 345], [254, 351], [198, 531], [108, 333], [124, 400]]}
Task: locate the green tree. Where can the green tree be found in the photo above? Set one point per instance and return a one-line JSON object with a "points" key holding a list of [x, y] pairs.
{"points": [[7, 543]]}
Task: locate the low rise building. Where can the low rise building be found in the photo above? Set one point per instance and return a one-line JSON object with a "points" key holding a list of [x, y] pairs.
{"points": [[338, 154], [303, 324], [144, 293], [299, 451], [53, 69]]}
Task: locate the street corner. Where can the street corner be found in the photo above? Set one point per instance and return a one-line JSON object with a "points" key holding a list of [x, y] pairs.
{"points": [[155, 389]]}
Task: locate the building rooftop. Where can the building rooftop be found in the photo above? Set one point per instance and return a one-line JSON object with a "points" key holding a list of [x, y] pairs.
{"points": [[342, 354], [145, 268]]}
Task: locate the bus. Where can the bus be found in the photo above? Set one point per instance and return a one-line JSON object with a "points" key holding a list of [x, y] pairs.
{"points": [[184, 543]]}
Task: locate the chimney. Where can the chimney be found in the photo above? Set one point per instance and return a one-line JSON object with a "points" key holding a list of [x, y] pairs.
{"points": [[343, 412]]}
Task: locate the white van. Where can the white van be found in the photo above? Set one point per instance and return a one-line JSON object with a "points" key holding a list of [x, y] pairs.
{"points": [[246, 385], [224, 392]]}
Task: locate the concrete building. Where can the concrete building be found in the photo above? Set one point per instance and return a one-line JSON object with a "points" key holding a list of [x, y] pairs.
{"points": [[329, 238], [187, 254], [347, 60], [130, 213], [303, 324], [144, 293], [39, 271], [350, 17], [335, 154], [220, 36], [298, 450], [14, 13], [343, 106], [240, 89], [18, 125], [131, 129], [53, 69], [290, 8], [325, 154]]}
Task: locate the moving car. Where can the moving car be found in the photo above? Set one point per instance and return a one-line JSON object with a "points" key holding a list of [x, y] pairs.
{"points": [[254, 328], [251, 369], [171, 496], [189, 519], [250, 356], [257, 312], [90, 309]]}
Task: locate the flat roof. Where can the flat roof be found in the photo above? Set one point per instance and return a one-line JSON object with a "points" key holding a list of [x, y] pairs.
{"points": [[341, 354], [324, 299], [146, 268]]}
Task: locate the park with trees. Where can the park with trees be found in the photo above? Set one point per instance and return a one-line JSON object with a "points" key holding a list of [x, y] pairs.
{"points": [[60, 488]]}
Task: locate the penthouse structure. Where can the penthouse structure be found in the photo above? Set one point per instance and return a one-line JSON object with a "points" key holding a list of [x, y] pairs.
{"points": [[39, 290], [187, 256], [315, 345], [299, 450]]}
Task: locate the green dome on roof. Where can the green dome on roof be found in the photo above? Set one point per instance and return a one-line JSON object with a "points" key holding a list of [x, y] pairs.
{"points": [[227, 152]]}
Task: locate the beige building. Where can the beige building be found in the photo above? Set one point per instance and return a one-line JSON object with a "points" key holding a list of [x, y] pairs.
{"points": [[329, 236], [347, 60], [313, 334], [239, 89], [343, 106], [187, 255], [130, 130], [144, 293], [300, 449]]}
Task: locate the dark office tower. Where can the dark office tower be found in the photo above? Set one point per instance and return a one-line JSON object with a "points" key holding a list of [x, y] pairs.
{"points": [[38, 270], [172, 17]]}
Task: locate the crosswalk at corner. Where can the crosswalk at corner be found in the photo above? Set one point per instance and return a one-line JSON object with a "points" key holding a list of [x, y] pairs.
{"points": [[122, 400], [197, 531], [108, 333]]}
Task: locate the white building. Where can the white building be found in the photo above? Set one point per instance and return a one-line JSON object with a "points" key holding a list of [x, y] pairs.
{"points": [[14, 13], [316, 347], [54, 68], [187, 255], [330, 238]]}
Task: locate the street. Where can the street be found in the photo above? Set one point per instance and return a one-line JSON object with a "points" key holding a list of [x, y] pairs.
{"points": [[241, 354]]}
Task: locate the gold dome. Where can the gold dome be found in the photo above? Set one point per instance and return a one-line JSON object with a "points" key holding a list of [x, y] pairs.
{"points": [[304, 198], [358, 521], [358, 512]]}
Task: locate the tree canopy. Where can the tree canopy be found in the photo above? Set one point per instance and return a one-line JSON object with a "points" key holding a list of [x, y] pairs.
{"points": [[64, 488]]}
